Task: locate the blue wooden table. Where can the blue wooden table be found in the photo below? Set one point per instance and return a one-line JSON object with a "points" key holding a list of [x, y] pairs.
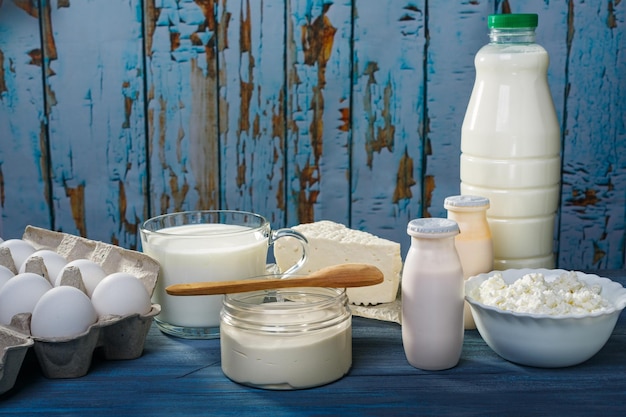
{"points": [[183, 377]]}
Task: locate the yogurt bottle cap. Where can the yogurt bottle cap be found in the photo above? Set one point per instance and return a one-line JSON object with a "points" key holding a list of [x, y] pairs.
{"points": [[465, 201], [433, 226]]}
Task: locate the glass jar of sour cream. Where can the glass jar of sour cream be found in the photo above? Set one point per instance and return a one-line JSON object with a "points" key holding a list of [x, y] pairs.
{"points": [[292, 338]]}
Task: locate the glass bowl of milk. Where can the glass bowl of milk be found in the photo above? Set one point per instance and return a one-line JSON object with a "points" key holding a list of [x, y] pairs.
{"points": [[207, 245], [285, 339]]}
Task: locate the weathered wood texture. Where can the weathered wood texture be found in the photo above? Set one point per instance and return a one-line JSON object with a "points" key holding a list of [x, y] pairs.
{"points": [[25, 194], [594, 170], [112, 111]]}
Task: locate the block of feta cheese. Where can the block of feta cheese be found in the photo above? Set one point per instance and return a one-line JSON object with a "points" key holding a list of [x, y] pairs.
{"points": [[333, 243]]}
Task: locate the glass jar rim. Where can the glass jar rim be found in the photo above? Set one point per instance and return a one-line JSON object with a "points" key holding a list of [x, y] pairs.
{"points": [[294, 313]]}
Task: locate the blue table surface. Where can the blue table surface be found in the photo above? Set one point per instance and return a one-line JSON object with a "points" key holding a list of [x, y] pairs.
{"points": [[184, 377]]}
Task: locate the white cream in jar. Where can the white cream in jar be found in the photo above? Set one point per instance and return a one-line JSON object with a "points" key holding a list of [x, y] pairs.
{"points": [[292, 338]]}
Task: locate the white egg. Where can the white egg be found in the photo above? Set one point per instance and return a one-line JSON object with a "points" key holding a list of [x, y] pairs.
{"points": [[121, 294], [90, 272], [20, 250], [62, 312], [20, 295], [53, 261], [5, 275]]}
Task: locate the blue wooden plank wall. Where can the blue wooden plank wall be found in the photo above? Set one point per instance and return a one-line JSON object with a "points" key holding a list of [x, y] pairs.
{"points": [[112, 111]]}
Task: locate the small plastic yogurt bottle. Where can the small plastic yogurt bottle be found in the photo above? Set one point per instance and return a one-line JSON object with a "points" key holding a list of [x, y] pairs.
{"points": [[474, 243], [432, 295]]}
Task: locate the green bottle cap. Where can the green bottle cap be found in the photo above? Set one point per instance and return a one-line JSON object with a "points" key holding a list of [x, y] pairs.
{"points": [[512, 21]]}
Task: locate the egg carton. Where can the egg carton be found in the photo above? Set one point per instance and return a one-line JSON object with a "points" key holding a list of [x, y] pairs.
{"points": [[119, 338]]}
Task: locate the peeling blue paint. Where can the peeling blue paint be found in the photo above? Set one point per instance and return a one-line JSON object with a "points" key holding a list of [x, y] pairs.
{"points": [[99, 106]]}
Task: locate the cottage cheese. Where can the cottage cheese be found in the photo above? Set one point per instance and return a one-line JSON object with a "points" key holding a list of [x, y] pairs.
{"points": [[532, 293]]}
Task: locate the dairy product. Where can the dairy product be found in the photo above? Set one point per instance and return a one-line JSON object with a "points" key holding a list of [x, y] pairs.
{"points": [[332, 243], [474, 243], [285, 362], [206, 245], [286, 339], [532, 293], [432, 295], [510, 144], [202, 252]]}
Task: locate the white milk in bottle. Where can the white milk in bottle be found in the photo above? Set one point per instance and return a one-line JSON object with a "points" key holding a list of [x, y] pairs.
{"points": [[510, 143]]}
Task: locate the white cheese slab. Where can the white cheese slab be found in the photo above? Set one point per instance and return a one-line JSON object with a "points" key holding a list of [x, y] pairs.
{"points": [[333, 243]]}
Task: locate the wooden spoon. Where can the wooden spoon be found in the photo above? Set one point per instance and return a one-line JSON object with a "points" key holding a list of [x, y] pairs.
{"points": [[337, 276]]}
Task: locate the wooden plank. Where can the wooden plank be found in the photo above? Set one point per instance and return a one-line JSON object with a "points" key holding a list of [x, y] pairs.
{"points": [[304, 129], [182, 105], [456, 33], [188, 379], [252, 106], [387, 115], [594, 170], [24, 169], [319, 59], [94, 91]]}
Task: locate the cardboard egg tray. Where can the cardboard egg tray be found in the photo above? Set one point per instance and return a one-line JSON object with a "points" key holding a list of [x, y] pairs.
{"points": [[120, 338]]}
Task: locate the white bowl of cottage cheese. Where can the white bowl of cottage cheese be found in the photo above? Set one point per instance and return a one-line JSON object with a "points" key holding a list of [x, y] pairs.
{"points": [[544, 318]]}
